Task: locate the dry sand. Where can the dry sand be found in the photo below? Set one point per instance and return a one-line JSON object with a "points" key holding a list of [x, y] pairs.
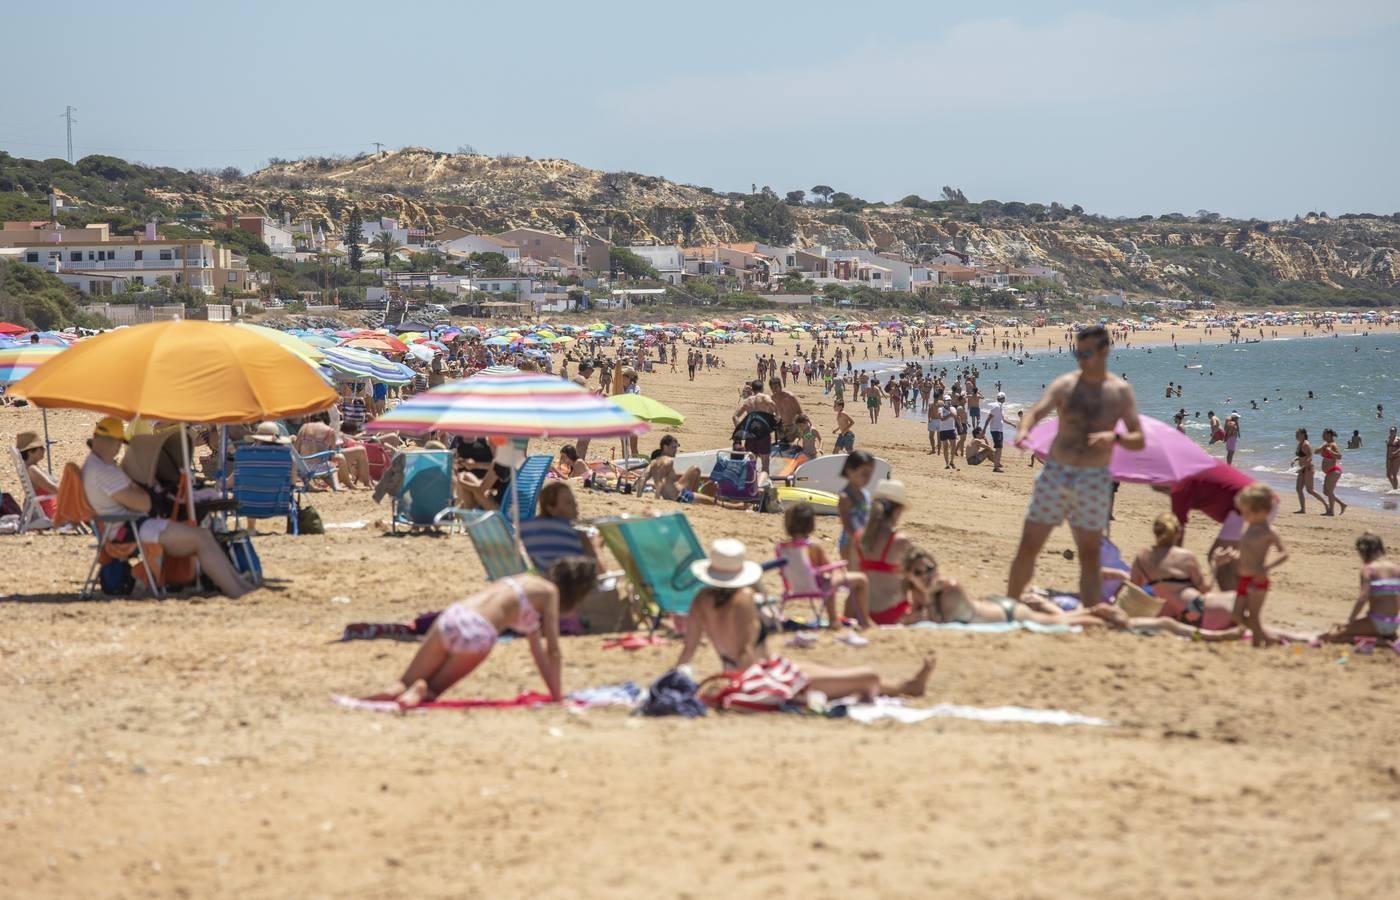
{"points": [[188, 748]]}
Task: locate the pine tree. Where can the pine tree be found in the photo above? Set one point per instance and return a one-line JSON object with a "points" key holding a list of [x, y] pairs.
{"points": [[354, 237]]}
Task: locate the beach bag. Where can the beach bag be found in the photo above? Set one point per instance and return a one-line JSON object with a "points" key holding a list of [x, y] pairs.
{"points": [[241, 553], [756, 425], [8, 506], [116, 578], [309, 521], [763, 687]]}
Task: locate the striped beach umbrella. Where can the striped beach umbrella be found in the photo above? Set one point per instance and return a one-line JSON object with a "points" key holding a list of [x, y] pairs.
{"points": [[347, 361], [19, 360], [521, 405]]}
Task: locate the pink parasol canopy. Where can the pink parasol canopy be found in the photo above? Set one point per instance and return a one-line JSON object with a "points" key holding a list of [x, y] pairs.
{"points": [[1168, 457]]}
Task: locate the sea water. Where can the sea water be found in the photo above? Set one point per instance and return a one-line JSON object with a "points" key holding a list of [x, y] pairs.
{"points": [[1348, 374]]}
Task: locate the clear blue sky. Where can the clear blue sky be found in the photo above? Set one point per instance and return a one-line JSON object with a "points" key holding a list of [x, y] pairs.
{"points": [[1252, 108]]}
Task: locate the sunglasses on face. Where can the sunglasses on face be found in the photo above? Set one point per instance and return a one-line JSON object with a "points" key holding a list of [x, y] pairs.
{"points": [[923, 571]]}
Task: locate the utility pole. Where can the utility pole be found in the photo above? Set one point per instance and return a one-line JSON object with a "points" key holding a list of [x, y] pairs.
{"points": [[68, 114], [377, 147]]}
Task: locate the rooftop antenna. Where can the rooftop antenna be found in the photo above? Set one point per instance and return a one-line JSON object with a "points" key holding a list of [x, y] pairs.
{"points": [[68, 114]]}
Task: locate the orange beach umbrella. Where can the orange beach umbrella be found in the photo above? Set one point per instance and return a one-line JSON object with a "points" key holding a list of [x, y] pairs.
{"points": [[179, 371]]}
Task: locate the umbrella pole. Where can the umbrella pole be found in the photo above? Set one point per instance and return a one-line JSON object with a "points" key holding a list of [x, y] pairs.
{"points": [[48, 444], [189, 493]]}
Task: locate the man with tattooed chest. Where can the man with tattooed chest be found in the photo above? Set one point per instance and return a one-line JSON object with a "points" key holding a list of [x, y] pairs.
{"points": [[1075, 483]]}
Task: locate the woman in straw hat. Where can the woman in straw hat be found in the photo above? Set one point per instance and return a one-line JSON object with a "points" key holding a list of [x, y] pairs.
{"points": [[725, 612], [32, 450]]}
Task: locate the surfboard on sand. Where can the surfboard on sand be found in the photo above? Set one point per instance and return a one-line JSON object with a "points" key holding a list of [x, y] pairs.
{"points": [[824, 473]]}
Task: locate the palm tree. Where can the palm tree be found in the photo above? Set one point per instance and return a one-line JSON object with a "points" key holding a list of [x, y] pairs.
{"points": [[385, 243]]}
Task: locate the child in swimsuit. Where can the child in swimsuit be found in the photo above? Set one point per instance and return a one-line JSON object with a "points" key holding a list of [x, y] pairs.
{"points": [[800, 522], [1380, 596], [853, 506], [462, 636], [1255, 503]]}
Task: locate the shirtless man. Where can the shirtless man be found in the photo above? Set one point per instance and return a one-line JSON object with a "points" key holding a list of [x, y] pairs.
{"points": [[761, 403], [788, 407], [1075, 482], [669, 485]]}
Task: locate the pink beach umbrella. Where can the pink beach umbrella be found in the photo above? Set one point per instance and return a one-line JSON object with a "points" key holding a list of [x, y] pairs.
{"points": [[1168, 457]]}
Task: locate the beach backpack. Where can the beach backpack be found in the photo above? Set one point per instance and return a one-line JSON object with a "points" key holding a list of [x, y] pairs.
{"points": [[116, 578], [8, 506]]}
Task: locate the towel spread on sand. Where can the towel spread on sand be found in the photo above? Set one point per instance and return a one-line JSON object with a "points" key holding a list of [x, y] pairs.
{"points": [[624, 694], [887, 708], [999, 627]]}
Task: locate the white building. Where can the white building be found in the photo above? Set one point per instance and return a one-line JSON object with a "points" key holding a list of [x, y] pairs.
{"points": [[669, 262], [480, 243]]}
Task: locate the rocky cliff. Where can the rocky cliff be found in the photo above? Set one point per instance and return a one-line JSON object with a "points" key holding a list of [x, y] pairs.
{"points": [[1357, 257]]}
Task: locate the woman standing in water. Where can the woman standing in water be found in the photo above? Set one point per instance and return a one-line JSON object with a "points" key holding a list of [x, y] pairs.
{"points": [[1232, 437], [1331, 470], [1306, 474], [1392, 458]]}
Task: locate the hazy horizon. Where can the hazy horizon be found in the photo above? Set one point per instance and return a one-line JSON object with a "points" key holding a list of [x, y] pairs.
{"points": [[1250, 109]]}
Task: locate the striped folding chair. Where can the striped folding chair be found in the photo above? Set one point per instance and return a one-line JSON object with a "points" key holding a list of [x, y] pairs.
{"points": [[495, 545], [656, 554], [529, 479], [263, 483]]}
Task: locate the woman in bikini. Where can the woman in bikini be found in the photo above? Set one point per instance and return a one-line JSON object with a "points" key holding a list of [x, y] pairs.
{"points": [[1174, 575], [1392, 458], [462, 636], [1306, 480], [724, 612], [1331, 470], [1232, 437], [935, 598], [879, 554], [1380, 596]]}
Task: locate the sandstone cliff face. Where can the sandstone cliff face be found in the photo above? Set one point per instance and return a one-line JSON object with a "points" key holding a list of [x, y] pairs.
{"points": [[433, 189]]}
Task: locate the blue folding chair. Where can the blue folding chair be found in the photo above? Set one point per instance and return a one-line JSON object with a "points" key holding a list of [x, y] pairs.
{"points": [[526, 491], [494, 543], [264, 484], [425, 499], [547, 539], [736, 478], [313, 466]]}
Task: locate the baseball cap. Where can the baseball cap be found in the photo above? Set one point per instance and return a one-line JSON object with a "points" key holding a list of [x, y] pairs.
{"points": [[1001, 396], [110, 427]]}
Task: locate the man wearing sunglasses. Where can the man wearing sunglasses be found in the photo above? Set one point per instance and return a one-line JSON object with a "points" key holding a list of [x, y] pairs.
{"points": [[1075, 483]]}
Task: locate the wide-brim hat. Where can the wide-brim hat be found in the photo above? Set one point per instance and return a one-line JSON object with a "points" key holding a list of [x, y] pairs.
{"points": [[891, 490], [110, 427], [726, 566], [268, 433], [28, 440]]}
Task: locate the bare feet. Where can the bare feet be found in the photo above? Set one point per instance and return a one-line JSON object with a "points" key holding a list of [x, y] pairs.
{"points": [[916, 686], [416, 695], [391, 694]]}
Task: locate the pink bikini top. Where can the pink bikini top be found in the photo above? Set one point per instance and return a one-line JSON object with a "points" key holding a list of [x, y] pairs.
{"points": [[527, 619]]}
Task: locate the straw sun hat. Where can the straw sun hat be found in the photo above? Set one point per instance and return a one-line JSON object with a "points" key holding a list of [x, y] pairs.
{"points": [[28, 440], [891, 490], [726, 566], [268, 433]]}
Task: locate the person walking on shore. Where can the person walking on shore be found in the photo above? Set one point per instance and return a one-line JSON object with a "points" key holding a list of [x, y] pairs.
{"points": [[1075, 482], [1392, 458], [1306, 478], [995, 426]]}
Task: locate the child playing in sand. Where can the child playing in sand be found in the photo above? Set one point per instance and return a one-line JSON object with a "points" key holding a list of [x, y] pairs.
{"points": [[853, 505], [800, 522], [808, 437], [1380, 591], [1255, 502], [463, 634]]}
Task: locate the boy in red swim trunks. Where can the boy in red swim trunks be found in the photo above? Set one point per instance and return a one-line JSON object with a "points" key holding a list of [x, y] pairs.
{"points": [[1255, 502]]}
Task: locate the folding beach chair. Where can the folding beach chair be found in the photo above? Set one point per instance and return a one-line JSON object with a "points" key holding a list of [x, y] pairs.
{"points": [[736, 478], [494, 543], [425, 499], [801, 579], [112, 542], [548, 539], [264, 483], [31, 513], [528, 480], [312, 466], [656, 554], [378, 456]]}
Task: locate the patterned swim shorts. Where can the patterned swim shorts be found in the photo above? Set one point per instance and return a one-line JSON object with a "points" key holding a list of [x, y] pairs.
{"points": [[1083, 495]]}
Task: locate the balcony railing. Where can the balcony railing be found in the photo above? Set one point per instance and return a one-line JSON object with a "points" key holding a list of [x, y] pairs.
{"points": [[137, 265]]}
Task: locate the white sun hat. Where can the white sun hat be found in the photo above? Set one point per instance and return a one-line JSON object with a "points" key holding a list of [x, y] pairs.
{"points": [[726, 566]]}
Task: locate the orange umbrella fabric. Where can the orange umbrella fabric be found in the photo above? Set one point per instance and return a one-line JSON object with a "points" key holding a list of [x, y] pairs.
{"points": [[380, 342], [179, 372]]}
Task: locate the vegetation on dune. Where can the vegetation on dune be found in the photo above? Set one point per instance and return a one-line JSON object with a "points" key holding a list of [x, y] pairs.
{"points": [[34, 298]]}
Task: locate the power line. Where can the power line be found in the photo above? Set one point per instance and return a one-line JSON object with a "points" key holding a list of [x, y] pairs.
{"points": [[32, 143]]}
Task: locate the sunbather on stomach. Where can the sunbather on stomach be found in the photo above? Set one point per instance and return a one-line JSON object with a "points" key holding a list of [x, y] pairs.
{"points": [[724, 612]]}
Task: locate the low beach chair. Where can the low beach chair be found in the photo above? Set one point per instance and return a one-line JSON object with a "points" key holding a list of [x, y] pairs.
{"points": [[111, 543], [264, 483], [495, 546], [736, 478], [425, 499], [802, 580], [656, 554], [31, 512], [315, 465], [529, 478]]}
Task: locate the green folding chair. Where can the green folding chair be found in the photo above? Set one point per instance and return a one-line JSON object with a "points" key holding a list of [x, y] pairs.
{"points": [[495, 544], [656, 554]]}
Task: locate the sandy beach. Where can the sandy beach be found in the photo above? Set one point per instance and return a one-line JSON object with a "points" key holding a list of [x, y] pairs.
{"points": [[189, 749]]}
